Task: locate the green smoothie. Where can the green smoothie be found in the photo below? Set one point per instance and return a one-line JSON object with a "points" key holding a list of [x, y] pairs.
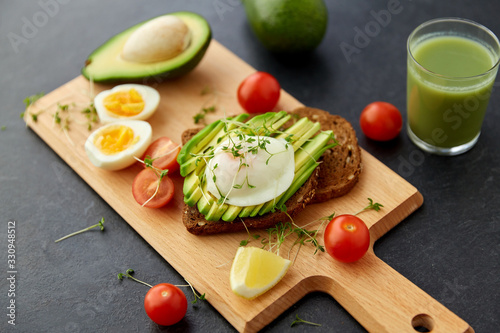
{"points": [[447, 98]]}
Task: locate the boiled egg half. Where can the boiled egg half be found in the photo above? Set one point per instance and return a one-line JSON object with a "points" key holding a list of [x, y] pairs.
{"points": [[127, 101], [250, 170], [113, 146]]}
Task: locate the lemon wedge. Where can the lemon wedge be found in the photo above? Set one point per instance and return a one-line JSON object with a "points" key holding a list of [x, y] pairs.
{"points": [[255, 271]]}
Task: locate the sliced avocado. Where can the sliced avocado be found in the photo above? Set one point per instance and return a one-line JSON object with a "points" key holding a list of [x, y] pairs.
{"points": [[216, 212], [191, 189], [297, 184], [294, 129], [310, 149], [246, 211], [268, 206], [190, 183], [199, 141], [306, 135], [250, 210], [202, 141], [205, 203], [257, 209], [231, 213], [105, 64], [194, 197], [268, 119]]}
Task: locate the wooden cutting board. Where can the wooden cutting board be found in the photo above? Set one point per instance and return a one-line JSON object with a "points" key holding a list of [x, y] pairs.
{"points": [[377, 296]]}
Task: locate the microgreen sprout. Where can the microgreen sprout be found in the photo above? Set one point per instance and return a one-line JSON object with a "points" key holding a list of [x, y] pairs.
{"points": [[246, 241], [100, 224], [371, 205], [277, 235], [91, 114], [206, 90], [196, 295], [298, 320], [129, 272], [148, 162], [200, 116], [161, 174], [212, 102], [30, 100], [57, 118]]}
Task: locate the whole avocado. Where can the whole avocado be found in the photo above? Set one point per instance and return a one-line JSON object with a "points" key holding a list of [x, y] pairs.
{"points": [[288, 26]]}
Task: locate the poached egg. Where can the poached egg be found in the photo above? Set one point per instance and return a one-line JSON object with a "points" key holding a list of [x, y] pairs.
{"points": [[250, 170]]}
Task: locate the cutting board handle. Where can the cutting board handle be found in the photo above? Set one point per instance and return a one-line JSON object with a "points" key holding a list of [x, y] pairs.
{"points": [[382, 300]]}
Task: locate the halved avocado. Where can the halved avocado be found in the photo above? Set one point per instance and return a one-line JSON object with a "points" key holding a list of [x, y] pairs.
{"points": [[106, 64]]}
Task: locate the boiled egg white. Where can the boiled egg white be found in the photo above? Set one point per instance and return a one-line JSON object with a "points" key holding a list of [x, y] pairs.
{"points": [[250, 170], [127, 101], [113, 146]]}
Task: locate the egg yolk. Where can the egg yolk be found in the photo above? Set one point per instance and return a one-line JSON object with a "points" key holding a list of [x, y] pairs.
{"points": [[124, 103], [114, 139]]}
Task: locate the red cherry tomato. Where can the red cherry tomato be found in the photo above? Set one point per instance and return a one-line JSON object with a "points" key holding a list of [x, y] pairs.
{"points": [[164, 152], [346, 238], [144, 187], [165, 304], [381, 121], [259, 93]]}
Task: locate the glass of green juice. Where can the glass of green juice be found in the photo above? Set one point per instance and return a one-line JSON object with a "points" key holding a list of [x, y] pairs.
{"points": [[452, 65]]}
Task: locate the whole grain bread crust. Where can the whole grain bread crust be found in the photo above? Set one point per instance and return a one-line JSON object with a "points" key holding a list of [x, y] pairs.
{"points": [[341, 166], [336, 175]]}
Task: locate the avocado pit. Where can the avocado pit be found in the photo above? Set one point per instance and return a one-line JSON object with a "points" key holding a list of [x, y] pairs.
{"points": [[160, 39]]}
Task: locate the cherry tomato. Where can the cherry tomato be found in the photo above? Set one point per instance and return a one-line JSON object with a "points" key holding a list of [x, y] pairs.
{"points": [[259, 92], [381, 121], [346, 238], [165, 152], [144, 187], [165, 304]]}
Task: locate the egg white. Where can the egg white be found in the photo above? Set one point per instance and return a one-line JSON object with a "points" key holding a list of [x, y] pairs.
{"points": [[123, 158], [263, 179], [150, 96]]}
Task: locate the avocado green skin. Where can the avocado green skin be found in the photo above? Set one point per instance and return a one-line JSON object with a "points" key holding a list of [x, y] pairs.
{"points": [[155, 74], [288, 26]]}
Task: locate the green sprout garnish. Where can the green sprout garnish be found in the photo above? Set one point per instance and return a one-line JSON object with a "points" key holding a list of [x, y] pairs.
{"points": [[129, 272], [298, 320], [371, 205], [100, 224]]}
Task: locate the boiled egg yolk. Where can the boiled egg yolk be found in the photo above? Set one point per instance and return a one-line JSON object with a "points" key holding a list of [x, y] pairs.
{"points": [[115, 146], [114, 139], [124, 103], [250, 170]]}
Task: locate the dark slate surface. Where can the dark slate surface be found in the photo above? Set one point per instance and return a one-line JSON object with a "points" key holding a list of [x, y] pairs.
{"points": [[449, 247]]}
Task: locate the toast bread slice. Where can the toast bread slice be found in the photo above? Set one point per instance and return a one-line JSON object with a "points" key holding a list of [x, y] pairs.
{"points": [[341, 165], [332, 178]]}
